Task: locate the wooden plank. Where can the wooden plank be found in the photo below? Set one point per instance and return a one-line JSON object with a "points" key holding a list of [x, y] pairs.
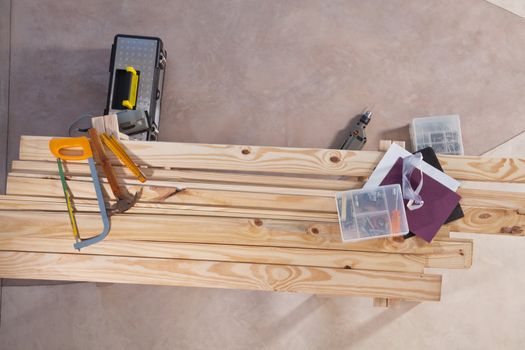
{"points": [[461, 260], [484, 168], [490, 221], [191, 273], [229, 157], [229, 253], [475, 194], [197, 185], [479, 197], [444, 232], [385, 302], [80, 169], [286, 160], [213, 230], [98, 124], [10, 202], [80, 189], [384, 145], [17, 185], [111, 125], [471, 197], [380, 302]]}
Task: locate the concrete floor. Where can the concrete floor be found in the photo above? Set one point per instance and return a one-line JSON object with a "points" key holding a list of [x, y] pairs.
{"points": [[288, 73]]}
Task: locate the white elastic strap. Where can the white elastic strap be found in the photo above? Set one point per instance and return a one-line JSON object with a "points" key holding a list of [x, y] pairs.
{"points": [[411, 163]]}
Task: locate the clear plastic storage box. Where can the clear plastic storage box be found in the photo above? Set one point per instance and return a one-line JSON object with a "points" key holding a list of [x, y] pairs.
{"points": [[371, 213], [442, 133]]}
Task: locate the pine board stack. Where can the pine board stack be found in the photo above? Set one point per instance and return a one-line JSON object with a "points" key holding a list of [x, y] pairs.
{"points": [[245, 217]]}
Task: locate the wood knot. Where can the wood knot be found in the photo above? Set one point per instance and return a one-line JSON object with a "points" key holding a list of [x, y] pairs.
{"points": [[461, 252], [335, 159], [514, 230], [314, 230], [348, 267], [484, 216], [245, 151], [257, 222], [399, 239]]}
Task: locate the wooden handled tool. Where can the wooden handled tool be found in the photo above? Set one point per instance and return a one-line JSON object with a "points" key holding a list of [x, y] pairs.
{"points": [[124, 200], [103, 160], [112, 143]]}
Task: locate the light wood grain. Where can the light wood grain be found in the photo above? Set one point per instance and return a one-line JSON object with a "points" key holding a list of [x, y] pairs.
{"points": [[319, 208], [80, 169], [10, 202], [286, 160], [98, 124], [490, 221], [229, 157], [197, 185], [384, 145], [230, 253], [72, 267], [479, 197], [474, 194], [111, 125], [463, 258], [31, 186], [214, 230], [50, 186], [484, 168]]}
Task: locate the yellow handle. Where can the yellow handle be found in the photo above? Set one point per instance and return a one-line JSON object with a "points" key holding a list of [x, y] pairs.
{"points": [[132, 97], [115, 147], [58, 145]]}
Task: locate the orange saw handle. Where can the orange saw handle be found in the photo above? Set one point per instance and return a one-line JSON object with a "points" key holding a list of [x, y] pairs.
{"points": [[58, 145]]}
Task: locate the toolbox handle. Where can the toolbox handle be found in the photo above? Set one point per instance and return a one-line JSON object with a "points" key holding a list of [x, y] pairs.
{"points": [[132, 96], [57, 145]]}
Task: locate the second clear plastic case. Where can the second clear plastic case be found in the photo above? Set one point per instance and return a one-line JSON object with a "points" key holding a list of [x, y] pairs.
{"points": [[371, 213]]}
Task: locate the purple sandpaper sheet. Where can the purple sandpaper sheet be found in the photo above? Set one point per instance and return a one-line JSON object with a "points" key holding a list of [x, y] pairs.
{"points": [[440, 201]]}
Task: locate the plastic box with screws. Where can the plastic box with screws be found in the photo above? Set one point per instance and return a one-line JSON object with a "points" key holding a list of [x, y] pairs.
{"points": [[442, 133], [371, 213]]}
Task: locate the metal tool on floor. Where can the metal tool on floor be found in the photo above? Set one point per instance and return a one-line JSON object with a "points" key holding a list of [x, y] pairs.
{"points": [[62, 148], [124, 199], [357, 138]]}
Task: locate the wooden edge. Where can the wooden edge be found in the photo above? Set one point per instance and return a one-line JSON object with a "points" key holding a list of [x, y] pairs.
{"points": [[340, 259], [286, 160], [98, 124], [187, 229], [57, 204], [380, 302], [80, 169], [193, 273], [460, 259], [490, 195], [384, 145], [191, 185], [27, 186], [111, 125], [471, 197], [490, 221], [385, 302]]}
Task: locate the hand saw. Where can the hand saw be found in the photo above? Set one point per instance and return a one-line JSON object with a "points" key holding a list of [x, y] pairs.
{"points": [[62, 148]]}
